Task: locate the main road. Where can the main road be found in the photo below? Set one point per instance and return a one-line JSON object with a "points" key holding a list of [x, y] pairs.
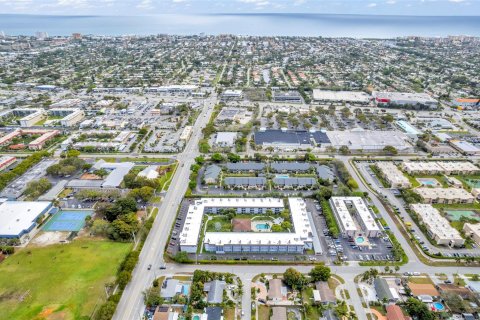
{"points": [[131, 304]]}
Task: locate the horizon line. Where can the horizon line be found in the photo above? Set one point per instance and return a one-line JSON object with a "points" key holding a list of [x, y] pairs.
{"points": [[233, 14]]}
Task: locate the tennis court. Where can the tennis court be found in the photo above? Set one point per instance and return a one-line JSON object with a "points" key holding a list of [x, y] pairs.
{"points": [[456, 215], [71, 220]]}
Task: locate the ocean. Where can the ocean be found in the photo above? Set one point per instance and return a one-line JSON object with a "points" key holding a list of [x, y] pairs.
{"points": [[326, 25]]}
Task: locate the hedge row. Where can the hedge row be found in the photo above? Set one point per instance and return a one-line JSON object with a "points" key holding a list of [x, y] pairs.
{"points": [[330, 219], [30, 161], [124, 275]]}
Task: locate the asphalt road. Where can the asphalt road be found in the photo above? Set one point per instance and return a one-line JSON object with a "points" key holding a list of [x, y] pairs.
{"points": [[131, 305]]}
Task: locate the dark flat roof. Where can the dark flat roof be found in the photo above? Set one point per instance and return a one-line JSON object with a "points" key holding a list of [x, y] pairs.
{"points": [[290, 137]]}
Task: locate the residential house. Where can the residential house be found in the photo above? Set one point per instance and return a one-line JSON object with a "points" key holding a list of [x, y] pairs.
{"points": [[165, 313], [394, 312], [170, 288], [275, 290], [445, 288], [326, 294], [290, 167], [246, 183], [238, 167], [211, 174], [325, 172], [214, 313], [422, 289], [384, 292], [295, 183], [215, 290]]}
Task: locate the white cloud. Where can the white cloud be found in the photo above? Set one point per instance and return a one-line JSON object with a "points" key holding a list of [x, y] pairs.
{"points": [[391, 2], [145, 4], [257, 3], [456, 1], [372, 5], [73, 3]]}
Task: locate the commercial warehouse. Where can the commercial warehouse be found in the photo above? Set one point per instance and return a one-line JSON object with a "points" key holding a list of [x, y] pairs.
{"points": [[263, 242], [370, 141], [340, 97], [354, 217], [438, 227], [18, 219], [287, 96], [393, 175], [404, 99], [291, 139], [116, 173]]}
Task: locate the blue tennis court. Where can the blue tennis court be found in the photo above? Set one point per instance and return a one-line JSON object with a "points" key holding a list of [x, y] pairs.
{"points": [[71, 220]]}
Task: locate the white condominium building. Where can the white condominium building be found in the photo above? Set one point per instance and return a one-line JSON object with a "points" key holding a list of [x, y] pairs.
{"points": [[354, 217], [300, 239], [393, 175], [473, 231], [444, 195], [440, 167], [437, 226]]}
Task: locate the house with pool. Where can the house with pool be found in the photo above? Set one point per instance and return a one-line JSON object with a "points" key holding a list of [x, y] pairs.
{"points": [[260, 239]]}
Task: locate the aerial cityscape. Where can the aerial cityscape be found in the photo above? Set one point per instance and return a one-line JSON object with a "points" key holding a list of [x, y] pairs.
{"points": [[159, 171]]}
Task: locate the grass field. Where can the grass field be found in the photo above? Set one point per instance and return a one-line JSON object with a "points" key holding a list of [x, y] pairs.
{"points": [[263, 312], [58, 282], [420, 280]]}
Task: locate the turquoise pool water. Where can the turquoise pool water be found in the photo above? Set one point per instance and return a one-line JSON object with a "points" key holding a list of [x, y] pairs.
{"points": [[196, 317], [262, 226], [185, 289], [438, 306], [427, 181], [360, 240], [282, 176]]}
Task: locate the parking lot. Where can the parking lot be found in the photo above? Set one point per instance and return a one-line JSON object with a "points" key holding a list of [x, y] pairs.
{"points": [[345, 249]]}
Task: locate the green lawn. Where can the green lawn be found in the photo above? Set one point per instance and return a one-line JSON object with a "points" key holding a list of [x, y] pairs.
{"points": [[263, 312], [420, 280], [222, 221], [59, 281], [229, 313]]}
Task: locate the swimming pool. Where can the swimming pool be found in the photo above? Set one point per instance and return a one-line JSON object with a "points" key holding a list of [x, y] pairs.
{"points": [[428, 182], [185, 289], [262, 226], [359, 240], [282, 176], [196, 317], [438, 306]]}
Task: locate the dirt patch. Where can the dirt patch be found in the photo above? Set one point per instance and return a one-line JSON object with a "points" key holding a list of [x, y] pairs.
{"points": [[90, 176], [46, 312], [47, 238], [50, 313], [62, 315]]}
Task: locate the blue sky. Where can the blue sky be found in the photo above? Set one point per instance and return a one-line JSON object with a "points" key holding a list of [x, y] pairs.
{"points": [[150, 7]]}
